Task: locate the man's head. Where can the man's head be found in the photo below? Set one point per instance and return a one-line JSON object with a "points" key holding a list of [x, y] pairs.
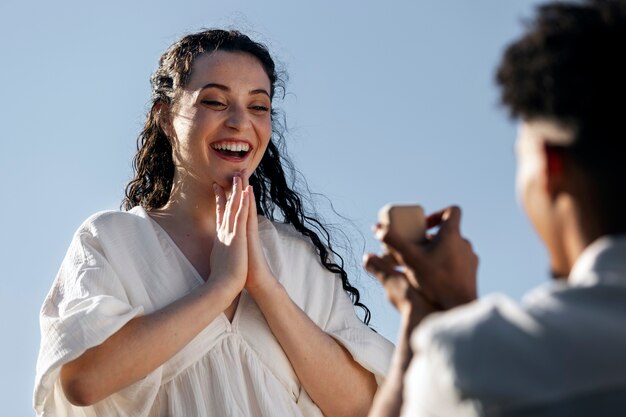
{"points": [[566, 80]]}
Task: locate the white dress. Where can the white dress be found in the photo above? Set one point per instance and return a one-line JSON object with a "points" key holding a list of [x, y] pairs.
{"points": [[123, 264]]}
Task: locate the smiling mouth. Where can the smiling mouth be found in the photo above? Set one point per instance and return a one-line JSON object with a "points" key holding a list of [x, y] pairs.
{"points": [[232, 150]]}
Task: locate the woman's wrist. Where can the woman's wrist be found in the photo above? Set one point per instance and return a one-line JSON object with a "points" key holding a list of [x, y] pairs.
{"points": [[271, 291], [222, 290]]}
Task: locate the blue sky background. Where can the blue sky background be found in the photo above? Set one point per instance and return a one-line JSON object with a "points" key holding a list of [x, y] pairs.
{"points": [[387, 101]]}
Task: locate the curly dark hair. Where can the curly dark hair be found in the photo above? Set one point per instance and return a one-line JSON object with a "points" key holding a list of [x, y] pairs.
{"points": [[569, 67], [276, 199]]}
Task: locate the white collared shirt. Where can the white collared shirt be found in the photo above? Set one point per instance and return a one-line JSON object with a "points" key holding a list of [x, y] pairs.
{"points": [[562, 348]]}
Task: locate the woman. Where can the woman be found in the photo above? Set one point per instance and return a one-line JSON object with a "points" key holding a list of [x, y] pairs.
{"points": [[188, 304]]}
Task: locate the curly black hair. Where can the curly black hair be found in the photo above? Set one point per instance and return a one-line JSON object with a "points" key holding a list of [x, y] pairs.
{"points": [[276, 198], [569, 67]]}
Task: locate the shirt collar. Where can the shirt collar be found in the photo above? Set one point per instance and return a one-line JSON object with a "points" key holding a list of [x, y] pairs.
{"points": [[603, 260]]}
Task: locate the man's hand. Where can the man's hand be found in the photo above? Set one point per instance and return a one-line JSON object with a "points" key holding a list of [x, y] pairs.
{"points": [[443, 266], [413, 307], [405, 296]]}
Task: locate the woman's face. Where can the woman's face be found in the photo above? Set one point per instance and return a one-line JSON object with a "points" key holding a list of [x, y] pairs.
{"points": [[220, 123]]}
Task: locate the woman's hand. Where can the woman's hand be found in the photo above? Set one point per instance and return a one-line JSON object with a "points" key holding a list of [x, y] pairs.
{"points": [[260, 276], [229, 257]]}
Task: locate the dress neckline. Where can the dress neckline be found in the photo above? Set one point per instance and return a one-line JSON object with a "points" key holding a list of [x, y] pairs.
{"points": [[179, 253]]}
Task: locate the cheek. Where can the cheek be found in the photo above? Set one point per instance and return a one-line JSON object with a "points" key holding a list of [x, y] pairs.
{"points": [[267, 128], [183, 131], [530, 192], [190, 123], [523, 178], [529, 167], [264, 133]]}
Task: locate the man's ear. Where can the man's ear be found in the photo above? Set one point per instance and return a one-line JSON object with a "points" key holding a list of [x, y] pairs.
{"points": [[556, 160]]}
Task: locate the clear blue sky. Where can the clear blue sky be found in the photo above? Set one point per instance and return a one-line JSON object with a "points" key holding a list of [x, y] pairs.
{"points": [[387, 101]]}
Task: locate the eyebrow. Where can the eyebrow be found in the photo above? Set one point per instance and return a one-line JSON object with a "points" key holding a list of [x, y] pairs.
{"points": [[227, 89]]}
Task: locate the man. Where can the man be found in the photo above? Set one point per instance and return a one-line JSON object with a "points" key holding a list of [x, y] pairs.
{"points": [[562, 351]]}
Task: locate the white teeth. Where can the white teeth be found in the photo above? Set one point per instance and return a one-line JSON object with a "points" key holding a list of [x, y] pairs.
{"points": [[233, 147]]}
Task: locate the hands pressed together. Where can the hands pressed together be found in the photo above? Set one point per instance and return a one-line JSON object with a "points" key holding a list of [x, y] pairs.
{"points": [[438, 273], [238, 262], [237, 259]]}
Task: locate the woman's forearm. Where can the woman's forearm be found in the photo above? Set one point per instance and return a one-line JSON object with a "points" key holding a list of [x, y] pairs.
{"points": [[141, 346], [334, 381]]}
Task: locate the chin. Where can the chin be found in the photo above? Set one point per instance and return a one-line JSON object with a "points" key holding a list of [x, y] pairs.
{"points": [[226, 180], [559, 268], [558, 275]]}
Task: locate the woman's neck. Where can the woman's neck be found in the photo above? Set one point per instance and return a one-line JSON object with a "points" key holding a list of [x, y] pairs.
{"points": [[190, 209]]}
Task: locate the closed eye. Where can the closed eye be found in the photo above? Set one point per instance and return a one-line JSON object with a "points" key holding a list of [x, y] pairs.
{"points": [[260, 108], [214, 103]]}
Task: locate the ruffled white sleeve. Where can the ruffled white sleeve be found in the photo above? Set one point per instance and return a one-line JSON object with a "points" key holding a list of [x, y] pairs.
{"points": [[87, 304], [368, 348]]}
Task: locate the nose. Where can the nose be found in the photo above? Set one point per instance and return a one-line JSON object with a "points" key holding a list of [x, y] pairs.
{"points": [[237, 117]]}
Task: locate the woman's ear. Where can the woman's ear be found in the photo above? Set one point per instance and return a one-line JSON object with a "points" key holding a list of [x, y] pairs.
{"points": [[162, 114]]}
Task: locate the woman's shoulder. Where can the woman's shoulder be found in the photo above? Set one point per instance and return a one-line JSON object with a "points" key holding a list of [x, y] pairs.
{"points": [[284, 234], [117, 235], [114, 219], [281, 231], [115, 227], [289, 253]]}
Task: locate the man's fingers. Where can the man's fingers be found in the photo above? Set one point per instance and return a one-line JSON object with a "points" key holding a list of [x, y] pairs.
{"points": [[389, 238], [434, 219], [381, 268], [390, 260], [448, 220], [401, 250], [451, 220], [396, 284]]}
